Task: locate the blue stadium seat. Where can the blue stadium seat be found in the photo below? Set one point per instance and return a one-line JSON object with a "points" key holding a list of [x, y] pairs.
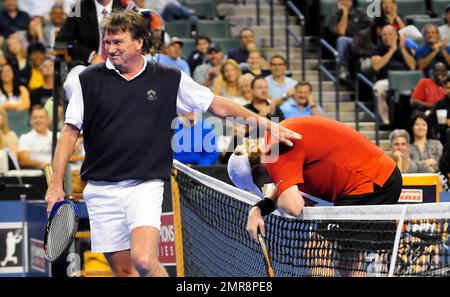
{"points": [[213, 28], [204, 9], [179, 28], [19, 121]]}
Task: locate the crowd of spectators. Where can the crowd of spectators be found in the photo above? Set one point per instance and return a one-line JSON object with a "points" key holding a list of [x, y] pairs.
{"points": [[30, 31]]}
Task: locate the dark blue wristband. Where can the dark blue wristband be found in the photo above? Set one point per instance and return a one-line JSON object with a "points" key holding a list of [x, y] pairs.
{"points": [[266, 206]]}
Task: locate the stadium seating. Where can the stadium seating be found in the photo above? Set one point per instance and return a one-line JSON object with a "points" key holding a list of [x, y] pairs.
{"points": [[420, 23], [205, 9], [19, 121], [213, 28], [438, 6], [227, 43], [402, 82], [188, 47], [327, 7], [410, 9], [179, 28]]}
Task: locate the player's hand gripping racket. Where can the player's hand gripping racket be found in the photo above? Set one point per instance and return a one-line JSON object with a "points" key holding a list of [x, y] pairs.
{"points": [[61, 226], [265, 251]]}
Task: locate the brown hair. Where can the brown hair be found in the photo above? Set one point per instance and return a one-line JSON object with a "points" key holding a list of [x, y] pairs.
{"points": [[304, 83], [128, 21]]}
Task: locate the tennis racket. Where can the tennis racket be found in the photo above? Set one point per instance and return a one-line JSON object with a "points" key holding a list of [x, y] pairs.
{"points": [[61, 226], [265, 251]]}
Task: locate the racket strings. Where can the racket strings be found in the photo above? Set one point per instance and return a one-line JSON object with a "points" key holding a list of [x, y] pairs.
{"points": [[61, 231]]}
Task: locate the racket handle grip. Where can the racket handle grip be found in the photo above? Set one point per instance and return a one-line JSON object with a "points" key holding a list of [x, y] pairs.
{"points": [[48, 170]]}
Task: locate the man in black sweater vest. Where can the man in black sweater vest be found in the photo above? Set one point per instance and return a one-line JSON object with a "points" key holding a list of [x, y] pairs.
{"points": [[125, 108]]}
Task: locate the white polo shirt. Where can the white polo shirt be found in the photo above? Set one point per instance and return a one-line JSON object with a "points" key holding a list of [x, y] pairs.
{"points": [[39, 146], [191, 96]]}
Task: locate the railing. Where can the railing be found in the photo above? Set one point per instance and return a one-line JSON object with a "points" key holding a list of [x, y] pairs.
{"points": [[299, 39], [334, 79], [359, 105], [258, 19]]}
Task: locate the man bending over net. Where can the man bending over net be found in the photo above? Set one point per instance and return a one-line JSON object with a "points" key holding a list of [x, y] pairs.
{"points": [[332, 161]]}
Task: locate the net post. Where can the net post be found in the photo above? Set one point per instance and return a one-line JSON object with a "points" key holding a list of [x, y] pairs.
{"points": [[177, 224], [397, 241]]}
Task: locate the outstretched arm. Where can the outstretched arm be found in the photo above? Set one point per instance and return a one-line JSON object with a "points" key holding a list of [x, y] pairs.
{"points": [[223, 107]]}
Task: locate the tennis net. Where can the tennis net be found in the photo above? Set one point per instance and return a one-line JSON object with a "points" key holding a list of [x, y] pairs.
{"points": [[387, 240]]}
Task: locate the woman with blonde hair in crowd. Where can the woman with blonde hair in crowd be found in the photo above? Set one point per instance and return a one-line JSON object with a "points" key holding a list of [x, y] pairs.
{"points": [[13, 96], [8, 138], [226, 84], [16, 56]]}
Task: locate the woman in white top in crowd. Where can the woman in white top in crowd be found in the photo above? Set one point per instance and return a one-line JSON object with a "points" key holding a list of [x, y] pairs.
{"points": [[12, 95]]}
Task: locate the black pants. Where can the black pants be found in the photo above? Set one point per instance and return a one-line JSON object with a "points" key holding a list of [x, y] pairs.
{"points": [[366, 235], [389, 193]]}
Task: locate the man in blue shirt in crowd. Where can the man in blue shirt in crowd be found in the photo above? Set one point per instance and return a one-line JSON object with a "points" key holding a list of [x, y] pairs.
{"points": [[194, 141], [172, 56], [302, 104], [435, 50]]}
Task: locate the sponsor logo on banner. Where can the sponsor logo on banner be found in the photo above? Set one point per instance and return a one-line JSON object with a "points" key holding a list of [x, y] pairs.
{"points": [[37, 255], [411, 196], [11, 248], [167, 240]]}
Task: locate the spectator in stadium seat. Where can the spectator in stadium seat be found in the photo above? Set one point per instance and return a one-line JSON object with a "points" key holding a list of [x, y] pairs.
{"points": [[8, 138], [227, 83], [12, 19], [444, 30], [198, 56], [240, 55], [82, 31], [40, 95], [34, 32], [53, 27], [172, 55], [344, 24], [206, 73], [36, 56], [171, 10], [390, 54], [389, 16], [435, 50], [423, 148], [255, 64], [16, 55], [442, 130], [245, 87], [429, 90], [194, 141], [13, 96], [302, 103], [35, 147], [280, 86], [400, 140], [40, 7], [261, 104]]}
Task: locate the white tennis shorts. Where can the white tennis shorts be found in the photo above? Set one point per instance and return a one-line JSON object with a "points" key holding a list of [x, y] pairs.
{"points": [[115, 209]]}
